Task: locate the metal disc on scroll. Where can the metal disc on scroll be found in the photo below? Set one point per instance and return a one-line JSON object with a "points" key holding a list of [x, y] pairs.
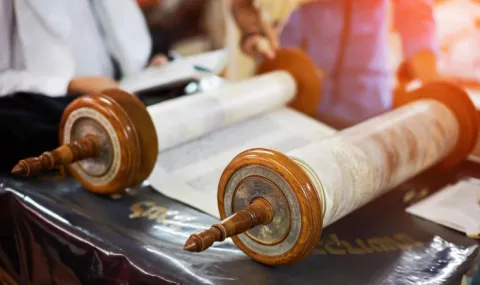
{"points": [[296, 223], [125, 136]]}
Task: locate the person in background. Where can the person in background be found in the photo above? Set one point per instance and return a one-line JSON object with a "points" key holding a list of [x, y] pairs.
{"points": [[57, 47], [348, 40], [53, 48], [170, 21]]}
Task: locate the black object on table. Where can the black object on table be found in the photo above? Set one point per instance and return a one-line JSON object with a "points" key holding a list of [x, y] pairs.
{"points": [[52, 231], [29, 122]]}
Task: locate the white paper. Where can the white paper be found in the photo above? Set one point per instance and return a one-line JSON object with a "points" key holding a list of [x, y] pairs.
{"points": [[361, 163], [175, 71], [456, 206], [190, 117], [190, 172]]}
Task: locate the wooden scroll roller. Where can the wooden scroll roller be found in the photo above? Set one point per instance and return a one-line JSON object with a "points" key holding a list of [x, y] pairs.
{"points": [[275, 205], [110, 141], [406, 82]]}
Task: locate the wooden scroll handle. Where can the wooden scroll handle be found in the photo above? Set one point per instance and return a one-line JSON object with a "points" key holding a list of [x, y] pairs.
{"points": [[259, 212], [63, 155]]}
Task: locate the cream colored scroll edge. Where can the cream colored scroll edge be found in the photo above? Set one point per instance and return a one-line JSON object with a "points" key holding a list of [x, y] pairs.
{"points": [[354, 167], [192, 116]]}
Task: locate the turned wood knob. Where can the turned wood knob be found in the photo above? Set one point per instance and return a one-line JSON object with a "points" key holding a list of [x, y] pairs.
{"points": [[108, 143], [294, 192], [257, 213], [63, 155], [269, 207]]}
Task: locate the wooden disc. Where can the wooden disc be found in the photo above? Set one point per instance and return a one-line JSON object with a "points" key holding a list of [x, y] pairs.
{"points": [[458, 101], [147, 136], [305, 73], [125, 132], [299, 235]]}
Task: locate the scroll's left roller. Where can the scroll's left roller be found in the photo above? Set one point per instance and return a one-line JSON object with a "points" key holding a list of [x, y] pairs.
{"points": [[108, 143]]}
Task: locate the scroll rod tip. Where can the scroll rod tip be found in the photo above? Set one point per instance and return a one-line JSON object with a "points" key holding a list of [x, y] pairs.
{"points": [[257, 213], [19, 169], [192, 245]]}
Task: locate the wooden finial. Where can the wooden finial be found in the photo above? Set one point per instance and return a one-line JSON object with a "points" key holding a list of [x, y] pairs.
{"points": [[63, 155], [305, 72], [259, 212]]}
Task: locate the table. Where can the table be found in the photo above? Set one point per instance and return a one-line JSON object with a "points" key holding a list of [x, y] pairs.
{"points": [[52, 229]]}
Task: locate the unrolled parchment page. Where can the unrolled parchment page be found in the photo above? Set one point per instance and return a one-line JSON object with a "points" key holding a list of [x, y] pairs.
{"points": [[190, 172], [456, 206], [190, 117]]}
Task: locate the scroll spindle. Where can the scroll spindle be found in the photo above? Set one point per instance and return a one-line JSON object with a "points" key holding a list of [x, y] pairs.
{"points": [[259, 212], [63, 155], [130, 134], [314, 186]]}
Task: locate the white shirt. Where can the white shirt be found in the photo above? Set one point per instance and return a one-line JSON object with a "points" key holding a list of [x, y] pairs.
{"points": [[45, 43], [87, 41]]}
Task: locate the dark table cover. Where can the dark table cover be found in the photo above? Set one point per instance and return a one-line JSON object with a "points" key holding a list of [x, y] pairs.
{"points": [[52, 231]]}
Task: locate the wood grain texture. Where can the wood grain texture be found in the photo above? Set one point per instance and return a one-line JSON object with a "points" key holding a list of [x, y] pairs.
{"points": [[129, 138], [63, 155], [460, 103], [257, 213], [108, 143], [356, 165], [145, 129], [124, 131], [304, 191], [299, 65]]}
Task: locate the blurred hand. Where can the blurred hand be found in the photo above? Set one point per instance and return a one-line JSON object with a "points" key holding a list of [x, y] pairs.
{"points": [[90, 84], [258, 38], [148, 4], [258, 45], [158, 60], [423, 66]]}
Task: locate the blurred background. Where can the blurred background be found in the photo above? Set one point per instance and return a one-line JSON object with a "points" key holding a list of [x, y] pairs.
{"points": [[186, 26], [190, 27]]}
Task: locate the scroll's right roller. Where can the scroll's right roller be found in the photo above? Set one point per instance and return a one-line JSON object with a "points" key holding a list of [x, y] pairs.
{"points": [[275, 205], [407, 82]]}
